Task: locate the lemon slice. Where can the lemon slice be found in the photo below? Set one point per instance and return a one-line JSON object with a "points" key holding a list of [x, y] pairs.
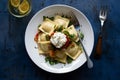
{"points": [[15, 3], [24, 7]]}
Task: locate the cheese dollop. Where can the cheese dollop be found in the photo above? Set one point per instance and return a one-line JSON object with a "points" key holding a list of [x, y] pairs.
{"points": [[58, 39]]}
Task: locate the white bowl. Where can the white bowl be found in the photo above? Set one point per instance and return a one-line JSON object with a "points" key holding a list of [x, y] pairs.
{"points": [[32, 30]]}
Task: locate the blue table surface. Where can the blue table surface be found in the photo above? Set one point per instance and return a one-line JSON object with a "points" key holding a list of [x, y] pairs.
{"points": [[15, 63]]}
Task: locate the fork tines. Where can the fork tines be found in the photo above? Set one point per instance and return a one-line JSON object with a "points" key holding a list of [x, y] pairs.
{"points": [[103, 9]]}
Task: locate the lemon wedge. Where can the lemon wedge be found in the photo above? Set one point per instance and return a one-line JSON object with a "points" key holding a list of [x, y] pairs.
{"points": [[15, 3], [24, 7]]}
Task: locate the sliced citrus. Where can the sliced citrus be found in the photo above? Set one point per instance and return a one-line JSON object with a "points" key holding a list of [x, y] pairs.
{"points": [[24, 7], [15, 3]]}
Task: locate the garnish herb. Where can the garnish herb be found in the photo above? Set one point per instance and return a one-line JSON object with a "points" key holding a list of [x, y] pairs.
{"points": [[44, 17], [51, 60], [51, 18], [66, 32], [63, 15], [71, 36], [60, 29], [69, 60], [46, 59], [47, 37], [39, 25], [78, 43], [81, 35], [70, 23]]}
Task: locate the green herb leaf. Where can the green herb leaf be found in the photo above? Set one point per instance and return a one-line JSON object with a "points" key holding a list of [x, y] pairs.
{"points": [[47, 59], [51, 18], [78, 43], [69, 60], [51, 60], [70, 23], [60, 29], [66, 32], [39, 25], [44, 17], [72, 36], [47, 37], [81, 35]]}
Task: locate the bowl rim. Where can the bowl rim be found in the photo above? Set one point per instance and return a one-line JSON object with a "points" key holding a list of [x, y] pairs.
{"points": [[60, 5]]}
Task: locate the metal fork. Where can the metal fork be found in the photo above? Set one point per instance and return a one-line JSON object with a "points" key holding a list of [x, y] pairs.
{"points": [[102, 17], [76, 22]]}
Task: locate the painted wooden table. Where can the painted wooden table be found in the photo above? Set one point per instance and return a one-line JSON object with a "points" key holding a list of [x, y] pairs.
{"points": [[15, 63]]}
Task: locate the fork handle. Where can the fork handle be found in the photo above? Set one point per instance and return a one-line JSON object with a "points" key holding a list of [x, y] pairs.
{"points": [[98, 51]]}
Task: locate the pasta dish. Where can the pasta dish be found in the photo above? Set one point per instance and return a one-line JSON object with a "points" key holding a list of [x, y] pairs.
{"points": [[57, 40]]}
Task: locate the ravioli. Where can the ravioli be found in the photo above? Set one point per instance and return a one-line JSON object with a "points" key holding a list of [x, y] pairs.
{"points": [[43, 37], [48, 26], [60, 21], [44, 46], [60, 56], [73, 50], [71, 29], [40, 51]]}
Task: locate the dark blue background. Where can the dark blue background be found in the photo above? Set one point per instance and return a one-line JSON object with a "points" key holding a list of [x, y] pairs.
{"points": [[15, 63]]}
